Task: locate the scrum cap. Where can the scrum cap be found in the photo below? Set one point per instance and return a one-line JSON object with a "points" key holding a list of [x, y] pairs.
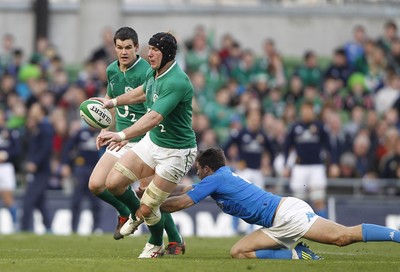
{"points": [[167, 44]]}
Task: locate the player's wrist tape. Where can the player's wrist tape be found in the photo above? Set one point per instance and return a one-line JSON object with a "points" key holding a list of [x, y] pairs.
{"points": [[121, 135], [114, 101]]}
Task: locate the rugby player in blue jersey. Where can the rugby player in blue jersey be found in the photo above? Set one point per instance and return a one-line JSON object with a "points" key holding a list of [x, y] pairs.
{"points": [[284, 220]]}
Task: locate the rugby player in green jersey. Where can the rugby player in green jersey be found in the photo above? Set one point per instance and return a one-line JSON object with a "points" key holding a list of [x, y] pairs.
{"points": [[123, 75], [168, 149]]}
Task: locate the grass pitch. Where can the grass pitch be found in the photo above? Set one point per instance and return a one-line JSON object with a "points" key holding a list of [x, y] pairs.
{"points": [[28, 252]]}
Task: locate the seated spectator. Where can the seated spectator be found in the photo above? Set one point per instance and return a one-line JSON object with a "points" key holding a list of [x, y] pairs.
{"points": [[386, 97], [309, 71], [355, 48], [389, 35], [347, 165], [358, 94], [339, 68]]}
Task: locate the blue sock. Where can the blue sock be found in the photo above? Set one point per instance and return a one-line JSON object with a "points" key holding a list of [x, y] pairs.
{"points": [[13, 212], [323, 213], [371, 232], [274, 254]]}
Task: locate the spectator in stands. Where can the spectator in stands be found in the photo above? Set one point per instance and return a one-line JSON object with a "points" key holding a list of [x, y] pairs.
{"points": [[224, 51], [358, 94], [364, 160], [355, 48], [332, 93], [376, 70], [14, 66], [273, 102], [394, 56], [197, 57], [386, 97], [309, 71], [232, 60], [389, 35], [308, 176], [106, 51], [253, 146], [79, 158], [216, 74], [6, 53], [294, 94], [340, 68], [347, 165], [355, 123], [37, 167], [390, 164], [340, 142], [247, 69]]}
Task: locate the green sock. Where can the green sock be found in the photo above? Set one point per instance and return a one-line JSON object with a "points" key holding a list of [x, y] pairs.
{"points": [[157, 232], [130, 199], [171, 229], [113, 201]]}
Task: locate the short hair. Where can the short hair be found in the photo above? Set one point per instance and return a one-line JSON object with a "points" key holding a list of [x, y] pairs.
{"points": [[212, 157], [126, 33]]}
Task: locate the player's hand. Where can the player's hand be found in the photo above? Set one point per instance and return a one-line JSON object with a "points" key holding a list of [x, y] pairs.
{"points": [[30, 167], [99, 139], [107, 103], [108, 137], [117, 146], [334, 171]]}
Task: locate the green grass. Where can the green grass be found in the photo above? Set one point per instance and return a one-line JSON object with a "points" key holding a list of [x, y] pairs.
{"points": [[26, 252]]}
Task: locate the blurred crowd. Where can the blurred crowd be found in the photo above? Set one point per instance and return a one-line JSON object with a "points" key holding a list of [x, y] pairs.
{"points": [[354, 94]]}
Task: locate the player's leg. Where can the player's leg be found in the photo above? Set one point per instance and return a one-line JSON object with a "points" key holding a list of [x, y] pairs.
{"points": [[176, 244], [259, 245], [329, 232], [97, 185], [127, 170]]}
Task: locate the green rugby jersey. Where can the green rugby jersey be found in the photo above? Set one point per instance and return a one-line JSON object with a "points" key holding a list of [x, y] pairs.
{"points": [[122, 82], [171, 96]]}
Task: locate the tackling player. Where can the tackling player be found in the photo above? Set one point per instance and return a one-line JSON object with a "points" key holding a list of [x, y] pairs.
{"points": [[284, 219]]}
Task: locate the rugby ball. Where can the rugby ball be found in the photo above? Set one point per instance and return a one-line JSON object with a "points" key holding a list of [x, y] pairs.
{"points": [[93, 113]]}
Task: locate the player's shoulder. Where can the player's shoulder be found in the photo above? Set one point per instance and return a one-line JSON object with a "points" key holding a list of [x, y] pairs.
{"points": [[112, 67]]}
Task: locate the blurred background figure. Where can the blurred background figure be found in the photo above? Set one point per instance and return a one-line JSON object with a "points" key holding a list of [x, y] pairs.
{"points": [[9, 149], [80, 156], [308, 178], [37, 167]]}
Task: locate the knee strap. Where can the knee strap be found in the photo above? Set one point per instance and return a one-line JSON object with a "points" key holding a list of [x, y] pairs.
{"points": [[153, 197], [125, 171]]}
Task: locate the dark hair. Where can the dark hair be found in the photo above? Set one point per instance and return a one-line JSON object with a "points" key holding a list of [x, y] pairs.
{"points": [[126, 33], [212, 157]]}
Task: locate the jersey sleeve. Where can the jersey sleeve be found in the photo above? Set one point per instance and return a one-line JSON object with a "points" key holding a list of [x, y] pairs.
{"points": [[203, 189]]}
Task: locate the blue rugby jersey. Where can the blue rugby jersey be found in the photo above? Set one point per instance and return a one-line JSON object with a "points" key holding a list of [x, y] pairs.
{"points": [[308, 139], [237, 197]]}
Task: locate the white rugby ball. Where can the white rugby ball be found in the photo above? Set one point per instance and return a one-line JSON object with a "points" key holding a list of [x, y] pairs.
{"points": [[93, 113]]}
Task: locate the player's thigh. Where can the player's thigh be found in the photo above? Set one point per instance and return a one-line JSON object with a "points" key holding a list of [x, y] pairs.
{"points": [[325, 231], [132, 163], [101, 170], [254, 241]]}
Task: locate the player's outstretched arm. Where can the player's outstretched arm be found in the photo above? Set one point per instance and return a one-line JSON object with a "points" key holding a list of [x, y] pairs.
{"points": [[177, 203], [135, 96]]}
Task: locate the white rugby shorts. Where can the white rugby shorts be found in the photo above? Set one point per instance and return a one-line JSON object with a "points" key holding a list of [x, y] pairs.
{"points": [[118, 154], [292, 220], [7, 177], [170, 164]]}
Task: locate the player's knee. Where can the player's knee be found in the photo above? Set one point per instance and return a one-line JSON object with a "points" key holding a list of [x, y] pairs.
{"points": [[95, 187], [341, 237], [237, 253]]}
